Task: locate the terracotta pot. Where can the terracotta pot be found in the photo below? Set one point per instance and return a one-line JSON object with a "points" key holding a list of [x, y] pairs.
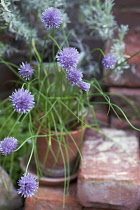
{"points": [[58, 153]]}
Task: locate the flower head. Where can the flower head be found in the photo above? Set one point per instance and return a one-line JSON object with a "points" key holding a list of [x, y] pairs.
{"points": [[26, 71], [84, 85], [68, 58], [8, 145], [27, 185], [52, 18], [22, 100], [109, 61], [74, 76]]}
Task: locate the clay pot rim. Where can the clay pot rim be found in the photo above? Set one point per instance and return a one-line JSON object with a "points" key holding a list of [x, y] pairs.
{"points": [[85, 123], [63, 132], [46, 180]]}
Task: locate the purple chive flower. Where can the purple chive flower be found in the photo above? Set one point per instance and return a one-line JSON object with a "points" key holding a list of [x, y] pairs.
{"points": [[52, 18], [27, 185], [8, 145], [74, 76], [22, 100], [26, 71], [84, 85], [68, 58], [109, 61]]}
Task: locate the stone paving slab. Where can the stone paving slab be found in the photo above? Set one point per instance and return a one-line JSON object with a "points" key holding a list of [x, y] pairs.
{"points": [[109, 175]]}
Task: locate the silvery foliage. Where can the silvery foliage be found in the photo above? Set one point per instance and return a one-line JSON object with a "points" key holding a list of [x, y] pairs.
{"points": [[6, 49], [117, 49], [16, 16], [10, 15], [99, 17]]}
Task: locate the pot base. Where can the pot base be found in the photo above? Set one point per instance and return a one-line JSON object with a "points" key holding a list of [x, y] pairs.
{"points": [[45, 180]]}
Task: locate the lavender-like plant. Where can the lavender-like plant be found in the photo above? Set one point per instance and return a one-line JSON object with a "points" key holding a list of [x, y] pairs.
{"points": [[117, 50], [99, 18], [14, 17]]}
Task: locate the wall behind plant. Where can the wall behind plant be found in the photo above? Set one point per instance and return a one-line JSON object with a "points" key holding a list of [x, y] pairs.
{"points": [[127, 12]]}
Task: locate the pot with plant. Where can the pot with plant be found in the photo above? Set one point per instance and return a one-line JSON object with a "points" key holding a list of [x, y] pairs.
{"points": [[53, 97], [59, 118]]}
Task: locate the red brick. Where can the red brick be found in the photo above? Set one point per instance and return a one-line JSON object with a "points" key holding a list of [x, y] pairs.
{"points": [[100, 115], [131, 76], [102, 119], [126, 3], [51, 198], [123, 124], [109, 176], [128, 100], [127, 16]]}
